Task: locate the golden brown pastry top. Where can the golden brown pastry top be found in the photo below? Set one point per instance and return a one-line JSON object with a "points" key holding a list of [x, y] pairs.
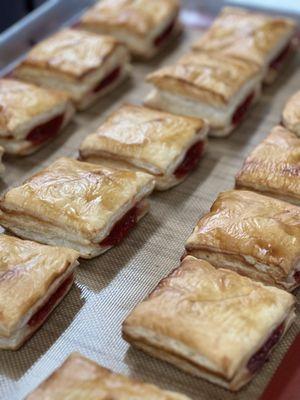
{"points": [[245, 34], [148, 136], [212, 78], [274, 165], [215, 314], [81, 378], [71, 52], [259, 228], [291, 113], [27, 270], [140, 17], [20, 102], [76, 196]]}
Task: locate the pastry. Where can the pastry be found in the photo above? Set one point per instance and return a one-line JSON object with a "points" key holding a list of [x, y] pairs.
{"points": [[30, 116], [291, 114], [143, 25], [212, 323], [273, 167], [33, 280], [2, 168], [81, 378], [252, 234], [251, 36], [164, 145], [85, 65], [79, 205], [215, 87]]}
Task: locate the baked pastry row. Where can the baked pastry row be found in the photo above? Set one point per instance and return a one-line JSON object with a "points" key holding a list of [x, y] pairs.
{"points": [[222, 77], [81, 378]]}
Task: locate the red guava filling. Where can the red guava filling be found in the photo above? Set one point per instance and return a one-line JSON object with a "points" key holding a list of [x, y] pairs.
{"points": [[297, 276], [279, 59], [45, 309], [164, 35], [261, 356], [190, 160], [242, 109], [108, 79], [45, 131], [122, 227]]}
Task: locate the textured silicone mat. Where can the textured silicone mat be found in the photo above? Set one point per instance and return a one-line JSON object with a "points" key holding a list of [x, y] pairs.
{"points": [[108, 287]]}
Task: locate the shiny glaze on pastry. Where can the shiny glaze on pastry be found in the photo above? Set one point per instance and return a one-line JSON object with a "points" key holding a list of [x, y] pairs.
{"points": [[245, 34], [80, 198], [137, 16], [20, 102], [144, 137], [81, 378], [291, 114], [212, 78], [273, 167], [70, 52], [254, 234], [27, 270], [208, 321]]}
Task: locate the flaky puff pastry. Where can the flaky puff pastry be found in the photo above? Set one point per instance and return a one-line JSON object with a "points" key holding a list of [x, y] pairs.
{"points": [[81, 378], [213, 323], [251, 36], [75, 204], [291, 114], [140, 138], [25, 111], [273, 167], [77, 62], [30, 273], [254, 235], [210, 86], [142, 25]]}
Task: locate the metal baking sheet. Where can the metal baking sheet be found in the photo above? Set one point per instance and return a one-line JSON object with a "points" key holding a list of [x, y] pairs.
{"points": [[108, 287]]}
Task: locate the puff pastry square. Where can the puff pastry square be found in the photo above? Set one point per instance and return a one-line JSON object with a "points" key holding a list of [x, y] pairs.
{"points": [[252, 234], [291, 114], [212, 323], [84, 65], [162, 144], [81, 378], [79, 205], [144, 26], [251, 36], [30, 116], [273, 167], [215, 87], [33, 280]]}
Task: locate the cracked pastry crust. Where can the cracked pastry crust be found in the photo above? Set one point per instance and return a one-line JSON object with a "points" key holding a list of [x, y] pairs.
{"points": [[209, 86], [24, 109], [29, 274], [80, 377], [83, 64], [251, 36], [254, 235], [210, 322], [291, 114], [75, 204], [140, 138], [273, 167], [143, 25]]}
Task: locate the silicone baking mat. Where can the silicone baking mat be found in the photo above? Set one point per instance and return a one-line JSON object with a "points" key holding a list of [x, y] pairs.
{"points": [[108, 287]]}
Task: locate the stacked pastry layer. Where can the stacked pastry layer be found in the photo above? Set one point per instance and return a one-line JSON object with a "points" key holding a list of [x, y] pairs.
{"points": [[222, 77]]}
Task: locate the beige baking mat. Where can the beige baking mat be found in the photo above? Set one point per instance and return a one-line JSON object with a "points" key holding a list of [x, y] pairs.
{"points": [[108, 287]]}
